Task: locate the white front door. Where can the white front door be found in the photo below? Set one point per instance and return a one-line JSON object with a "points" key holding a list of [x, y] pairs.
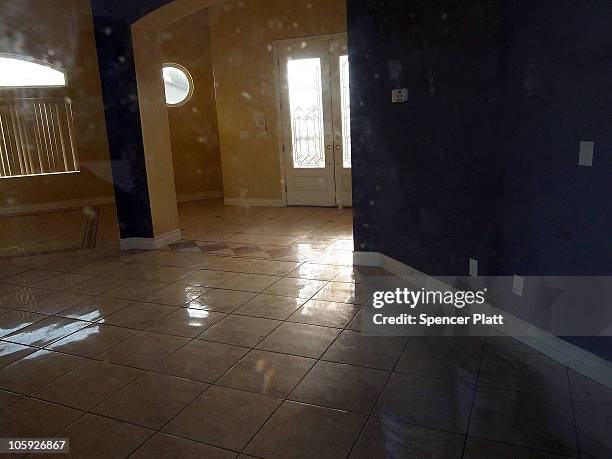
{"points": [[315, 119]]}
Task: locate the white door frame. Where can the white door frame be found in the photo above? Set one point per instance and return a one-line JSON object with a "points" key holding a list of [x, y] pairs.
{"points": [[278, 95]]}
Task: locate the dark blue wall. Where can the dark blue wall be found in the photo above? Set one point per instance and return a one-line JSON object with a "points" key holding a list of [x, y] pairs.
{"points": [[482, 161], [112, 23]]}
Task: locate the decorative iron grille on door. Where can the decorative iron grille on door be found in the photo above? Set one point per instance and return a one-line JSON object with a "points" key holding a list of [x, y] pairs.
{"points": [[37, 137]]}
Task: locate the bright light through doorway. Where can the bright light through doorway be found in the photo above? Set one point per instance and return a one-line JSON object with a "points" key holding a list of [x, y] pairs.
{"points": [[306, 100], [345, 103]]}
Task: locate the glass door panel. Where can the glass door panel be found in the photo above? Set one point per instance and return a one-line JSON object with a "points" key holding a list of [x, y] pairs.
{"points": [[306, 116], [306, 106], [345, 110]]}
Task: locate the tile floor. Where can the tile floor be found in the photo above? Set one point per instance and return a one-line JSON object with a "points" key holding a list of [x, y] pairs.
{"points": [[243, 340]]}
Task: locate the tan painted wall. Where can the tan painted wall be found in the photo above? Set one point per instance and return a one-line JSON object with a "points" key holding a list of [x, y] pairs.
{"points": [[193, 126], [242, 32], [62, 31]]}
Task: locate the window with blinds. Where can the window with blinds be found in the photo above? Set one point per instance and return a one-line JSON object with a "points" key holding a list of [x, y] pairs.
{"points": [[37, 137], [36, 134]]}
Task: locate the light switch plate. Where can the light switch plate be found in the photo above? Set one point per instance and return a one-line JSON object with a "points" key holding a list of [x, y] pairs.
{"points": [[585, 158], [473, 267], [399, 96], [518, 284], [260, 123]]}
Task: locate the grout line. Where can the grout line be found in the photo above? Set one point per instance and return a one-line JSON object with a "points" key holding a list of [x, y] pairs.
{"points": [[380, 394], [301, 379], [475, 389], [573, 408]]}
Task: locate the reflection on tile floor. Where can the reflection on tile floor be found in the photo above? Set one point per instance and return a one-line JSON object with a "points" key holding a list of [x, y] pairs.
{"points": [[244, 339]]}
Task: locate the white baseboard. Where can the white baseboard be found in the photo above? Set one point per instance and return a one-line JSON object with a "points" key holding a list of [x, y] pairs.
{"points": [[46, 207], [152, 243], [254, 202], [186, 197], [567, 354]]}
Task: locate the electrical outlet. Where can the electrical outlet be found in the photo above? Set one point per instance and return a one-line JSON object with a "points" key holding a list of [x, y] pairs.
{"points": [[399, 96], [473, 267], [585, 157], [518, 284]]}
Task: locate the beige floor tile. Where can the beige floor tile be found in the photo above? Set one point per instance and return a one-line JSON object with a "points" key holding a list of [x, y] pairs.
{"points": [[223, 417], [88, 385], [37, 370], [430, 402], [151, 400], [96, 285], [30, 418], [240, 330], [340, 386], [7, 294], [186, 322], [7, 270], [100, 268], [298, 430], [250, 282], [270, 306], [48, 301], [299, 339], [176, 295], [235, 264], [262, 239], [139, 315], [46, 331], [325, 313], [135, 290], [103, 438], [452, 358], [207, 278], [29, 278], [346, 292], [12, 321], [11, 352], [331, 257], [362, 274], [585, 389], [296, 288], [355, 348], [67, 264], [317, 271], [94, 308], [143, 349], [8, 398], [202, 360], [388, 438], [62, 281], [91, 341], [267, 373], [273, 268], [156, 273], [165, 258], [221, 300], [169, 446]]}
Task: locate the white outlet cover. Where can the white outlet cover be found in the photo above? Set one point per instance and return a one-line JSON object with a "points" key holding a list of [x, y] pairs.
{"points": [[518, 285], [585, 158], [473, 267]]}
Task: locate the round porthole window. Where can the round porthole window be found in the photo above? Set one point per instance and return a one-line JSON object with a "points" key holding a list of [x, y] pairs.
{"points": [[178, 85]]}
